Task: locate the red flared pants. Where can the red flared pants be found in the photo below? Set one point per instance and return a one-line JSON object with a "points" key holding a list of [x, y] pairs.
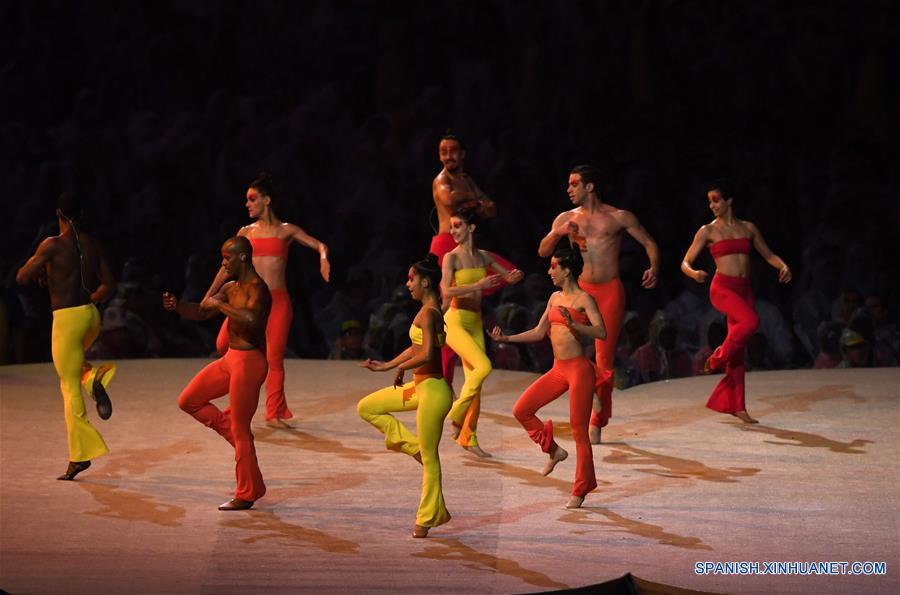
{"points": [[239, 374], [577, 376], [610, 298], [733, 297]]}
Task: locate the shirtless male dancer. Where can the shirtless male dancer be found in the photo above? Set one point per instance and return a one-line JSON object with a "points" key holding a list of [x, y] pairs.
{"points": [[596, 228], [74, 269], [246, 302]]}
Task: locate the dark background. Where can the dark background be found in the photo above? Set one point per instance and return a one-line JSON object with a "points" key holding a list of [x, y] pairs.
{"points": [[159, 113]]}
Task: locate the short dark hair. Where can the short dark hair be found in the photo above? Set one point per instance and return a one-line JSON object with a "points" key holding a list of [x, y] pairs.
{"points": [[69, 204], [723, 185], [589, 175], [263, 184], [570, 258], [241, 244], [451, 136]]}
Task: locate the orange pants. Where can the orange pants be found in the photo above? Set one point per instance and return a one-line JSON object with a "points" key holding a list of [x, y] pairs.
{"points": [[733, 297], [239, 374], [277, 329], [610, 298], [577, 376]]}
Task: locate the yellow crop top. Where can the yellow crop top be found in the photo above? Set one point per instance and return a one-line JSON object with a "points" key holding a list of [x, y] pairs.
{"points": [[417, 336], [468, 276]]}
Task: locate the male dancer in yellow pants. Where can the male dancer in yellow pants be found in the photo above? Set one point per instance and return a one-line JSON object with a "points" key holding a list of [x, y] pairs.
{"points": [[69, 264]]}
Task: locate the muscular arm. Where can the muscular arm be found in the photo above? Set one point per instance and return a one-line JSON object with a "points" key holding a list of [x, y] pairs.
{"points": [[558, 231], [784, 271], [687, 264], [301, 237], [36, 265], [188, 310], [637, 231]]}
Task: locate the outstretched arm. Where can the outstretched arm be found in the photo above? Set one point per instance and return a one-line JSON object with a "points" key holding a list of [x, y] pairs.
{"points": [[637, 231], [300, 236], [784, 271], [687, 264], [35, 266], [531, 336], [188, 310], [510, 276]]}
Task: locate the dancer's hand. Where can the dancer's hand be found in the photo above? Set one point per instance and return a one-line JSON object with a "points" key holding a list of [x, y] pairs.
{"points": [[169, 302], [325, 268], [649, 280], [490, 282], [513, 276], [497, 335], [699, 276], [374, 365], [569, 227], [398, 377], [784, 274]]}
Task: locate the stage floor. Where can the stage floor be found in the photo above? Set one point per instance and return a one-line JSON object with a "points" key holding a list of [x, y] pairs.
{"points": [[817, 480]]}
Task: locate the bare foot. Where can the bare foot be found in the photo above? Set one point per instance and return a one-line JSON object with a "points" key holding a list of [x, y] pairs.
{"points": [[575, 502], [278, 424], [418, 458], [558, 455], [419, 531], [745, 417], [454, 430], [476, 450], [594, 434]]}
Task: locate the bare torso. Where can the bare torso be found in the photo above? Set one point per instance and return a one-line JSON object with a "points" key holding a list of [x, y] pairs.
{"points": [[250, 295], [450, 192], [599, 236], [64, 269]]}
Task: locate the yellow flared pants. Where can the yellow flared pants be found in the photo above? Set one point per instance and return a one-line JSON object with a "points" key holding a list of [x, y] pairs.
{"points": [[430, 398], [465, 336], [74, 329]]}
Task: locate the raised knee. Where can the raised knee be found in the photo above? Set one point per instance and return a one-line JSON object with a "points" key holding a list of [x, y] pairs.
{"points": [[521, 413], [184, 404], [363, 410]]}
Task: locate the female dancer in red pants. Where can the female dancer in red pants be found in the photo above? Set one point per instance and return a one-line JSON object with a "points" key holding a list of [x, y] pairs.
{"points": [[270, 238], [570, 315], [729, 240]]}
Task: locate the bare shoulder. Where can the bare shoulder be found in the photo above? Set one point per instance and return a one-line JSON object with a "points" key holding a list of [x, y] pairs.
{"points": [[246, 230], [749, 226], [554, 298], [624, 217]]}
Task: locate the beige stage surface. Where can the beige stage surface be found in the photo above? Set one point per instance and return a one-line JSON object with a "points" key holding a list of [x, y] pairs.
{"points": [[817, 480]]}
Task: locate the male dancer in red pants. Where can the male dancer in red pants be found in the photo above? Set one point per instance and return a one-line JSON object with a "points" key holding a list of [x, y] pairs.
{"points": [[246, 302], [596, 228]]}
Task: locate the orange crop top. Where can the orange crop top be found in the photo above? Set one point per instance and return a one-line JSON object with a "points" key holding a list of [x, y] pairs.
{"points": [[730, 246], [271, 246], [577, 316]]}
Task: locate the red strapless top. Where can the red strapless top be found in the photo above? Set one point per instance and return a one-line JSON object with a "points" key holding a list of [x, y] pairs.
{"points": [[732, 246], [269, 246], [577, 316]]}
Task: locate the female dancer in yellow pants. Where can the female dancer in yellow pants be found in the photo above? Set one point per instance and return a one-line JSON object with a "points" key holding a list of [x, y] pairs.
{"points": [[463, 279], [428, 394]]}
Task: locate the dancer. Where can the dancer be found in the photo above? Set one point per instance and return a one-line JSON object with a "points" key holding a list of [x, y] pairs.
{"points": [[240, 372], [729, 240], [596, 228], [270, 238], [70, 264], [570, 314], [464, 278], [427, 394]]}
